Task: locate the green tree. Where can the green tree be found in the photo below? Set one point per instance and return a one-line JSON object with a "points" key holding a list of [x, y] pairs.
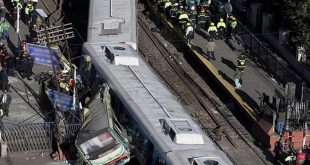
{"points": [[297, 13]]}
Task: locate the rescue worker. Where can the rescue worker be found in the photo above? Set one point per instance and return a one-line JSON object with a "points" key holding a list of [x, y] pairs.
{"points": [[167, 7], [183, 19], [300, 157], [202, 18], [63, 81], [10, 64], [212, 31], [174, 10], [5, 26], [241, 64], [221, 26], [189, 32], [193, 15], [27, 12], [26, 66], [232, 23]]}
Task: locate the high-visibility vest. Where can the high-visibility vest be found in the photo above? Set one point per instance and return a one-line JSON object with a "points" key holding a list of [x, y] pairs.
{"points": [[5, 26], [183, 16], [233, 24], [241, 60], [174, 8], [221, 24], [28, 9], [212, 28], [64, 86], [167, 4]]}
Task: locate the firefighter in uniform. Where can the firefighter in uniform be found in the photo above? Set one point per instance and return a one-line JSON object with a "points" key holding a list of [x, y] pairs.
{"points": [[221, 27], [241, 60], [28, 11], [174, 10], [183, 19], [193, 15], [232, 24], [212, 30], [167, 7], [189, 32]]}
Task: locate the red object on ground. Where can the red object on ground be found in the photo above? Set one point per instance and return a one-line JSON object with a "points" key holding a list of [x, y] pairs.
{"points": [[300, 158]]}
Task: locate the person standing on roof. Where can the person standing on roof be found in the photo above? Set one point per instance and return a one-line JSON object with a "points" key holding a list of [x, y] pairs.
{"points": [[189, 32], [212, 31], [241, 64], [5, 25], [221, 26]]}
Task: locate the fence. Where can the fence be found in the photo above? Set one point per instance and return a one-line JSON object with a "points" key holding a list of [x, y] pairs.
{"points": [[270, 62], [34, 136]]}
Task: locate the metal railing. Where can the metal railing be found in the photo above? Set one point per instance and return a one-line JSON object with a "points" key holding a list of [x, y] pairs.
{"points": [[34, 136], [274, 65]]}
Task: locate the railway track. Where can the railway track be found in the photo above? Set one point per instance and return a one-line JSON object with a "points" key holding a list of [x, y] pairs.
{"points": [[213, 116]]}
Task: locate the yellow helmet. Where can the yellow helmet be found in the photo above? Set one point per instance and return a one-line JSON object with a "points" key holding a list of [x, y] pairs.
{"points": [[221, 20], [188, 24], [212, 24], [233, 18]]}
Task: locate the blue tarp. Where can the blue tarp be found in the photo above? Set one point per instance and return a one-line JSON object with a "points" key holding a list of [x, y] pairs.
{"points": [[41, 55], [61, 101]]}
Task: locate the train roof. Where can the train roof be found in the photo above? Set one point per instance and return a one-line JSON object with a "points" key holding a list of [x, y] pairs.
{"points": [[112, 20], [156, 110]]}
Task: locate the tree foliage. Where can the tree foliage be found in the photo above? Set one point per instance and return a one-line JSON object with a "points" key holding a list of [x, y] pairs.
{"points": [[297, 13]]}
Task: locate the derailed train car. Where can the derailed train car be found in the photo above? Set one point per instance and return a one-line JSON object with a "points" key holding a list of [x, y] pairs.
{"points": [[157, 125]]}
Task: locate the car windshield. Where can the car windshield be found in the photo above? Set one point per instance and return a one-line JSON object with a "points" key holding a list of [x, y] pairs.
{"points": [[102, 143]]}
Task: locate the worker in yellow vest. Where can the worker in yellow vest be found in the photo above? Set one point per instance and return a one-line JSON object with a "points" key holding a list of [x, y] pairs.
{"points": [[221, 27], [28, 9], [212, 31]]}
